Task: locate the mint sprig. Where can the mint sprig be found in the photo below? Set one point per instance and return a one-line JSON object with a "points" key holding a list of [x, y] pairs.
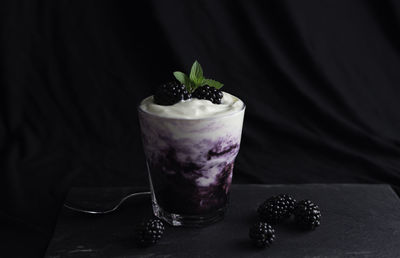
{"points": [[196, 79]]}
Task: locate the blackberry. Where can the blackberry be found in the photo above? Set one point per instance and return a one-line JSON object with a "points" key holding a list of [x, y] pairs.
{"points": [[262, 234], [149, 232], [210, 93], [277, 208], [171, 93], [307, 214]]}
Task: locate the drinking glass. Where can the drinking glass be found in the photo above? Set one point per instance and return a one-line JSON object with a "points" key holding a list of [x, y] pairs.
{"points": [[190, 164]]}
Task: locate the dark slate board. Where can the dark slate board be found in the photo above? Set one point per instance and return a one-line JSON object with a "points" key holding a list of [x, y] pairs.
{"points": [[357, 221]]}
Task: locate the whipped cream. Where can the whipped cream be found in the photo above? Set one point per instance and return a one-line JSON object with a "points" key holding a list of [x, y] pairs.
{"points": [[194, 108]]}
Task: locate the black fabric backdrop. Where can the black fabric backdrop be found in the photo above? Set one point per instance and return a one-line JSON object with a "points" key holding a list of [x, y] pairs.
{"points": [[320, 80]]}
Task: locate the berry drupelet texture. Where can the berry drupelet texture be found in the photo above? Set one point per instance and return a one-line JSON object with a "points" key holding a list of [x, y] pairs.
{"points": [[277, 208], [171, 93], [262, 234], [149, 232], [209, 93], [307, 214]]}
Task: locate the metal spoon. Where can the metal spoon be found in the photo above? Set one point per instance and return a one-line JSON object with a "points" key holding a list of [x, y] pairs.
{"points": [[87, 211]]}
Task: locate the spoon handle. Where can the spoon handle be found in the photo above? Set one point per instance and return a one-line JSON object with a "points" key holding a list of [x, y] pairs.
{"points": [[107, 211]]}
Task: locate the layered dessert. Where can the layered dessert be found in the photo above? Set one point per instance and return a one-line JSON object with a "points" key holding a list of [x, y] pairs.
{"points": [[191, 136]]}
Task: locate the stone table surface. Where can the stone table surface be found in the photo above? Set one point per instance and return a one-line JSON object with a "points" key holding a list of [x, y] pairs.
{"points": [[357, 221]]}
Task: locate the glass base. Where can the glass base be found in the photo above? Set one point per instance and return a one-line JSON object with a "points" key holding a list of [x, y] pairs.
{"points": [[188, 220]]}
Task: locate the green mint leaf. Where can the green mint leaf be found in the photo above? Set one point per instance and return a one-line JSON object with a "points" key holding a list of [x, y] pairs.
{"points": [[212, 83], [181, 77], [196, 73], [184, 79], [196, 79]]}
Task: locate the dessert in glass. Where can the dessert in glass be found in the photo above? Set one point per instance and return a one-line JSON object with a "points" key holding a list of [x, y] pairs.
{"points": [[191, 135]]}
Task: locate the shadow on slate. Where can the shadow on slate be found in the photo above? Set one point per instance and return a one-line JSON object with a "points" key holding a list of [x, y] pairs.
{"points": [[357, 221]]}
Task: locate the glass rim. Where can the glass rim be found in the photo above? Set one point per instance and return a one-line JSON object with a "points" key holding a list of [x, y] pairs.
{"points": [[191, 119]]}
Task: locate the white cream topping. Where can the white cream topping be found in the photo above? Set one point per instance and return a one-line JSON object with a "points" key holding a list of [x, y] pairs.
{"points": [[194, 108]]}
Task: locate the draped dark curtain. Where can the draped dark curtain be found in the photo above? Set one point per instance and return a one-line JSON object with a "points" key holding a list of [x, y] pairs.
{"points": [[320, 80]]}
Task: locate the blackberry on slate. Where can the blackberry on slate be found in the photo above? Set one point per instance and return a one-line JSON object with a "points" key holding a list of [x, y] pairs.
{"points": [[307, 214], [171, 93], [262, 234], [149, 232], [276, 208], [210, 93]]}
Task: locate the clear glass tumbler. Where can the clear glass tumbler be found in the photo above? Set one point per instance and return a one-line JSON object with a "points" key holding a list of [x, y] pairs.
{"points": [[190, 164]]}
